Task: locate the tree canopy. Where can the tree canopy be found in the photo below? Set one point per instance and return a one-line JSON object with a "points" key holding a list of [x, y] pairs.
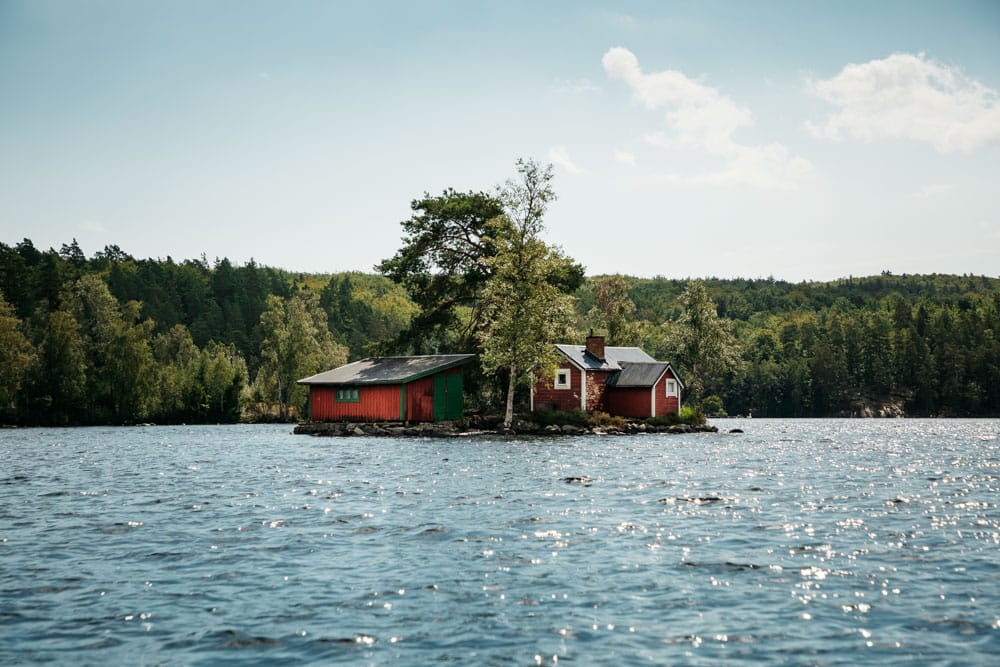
{"points": [[443, 265], [526, 308], [116, 339]]}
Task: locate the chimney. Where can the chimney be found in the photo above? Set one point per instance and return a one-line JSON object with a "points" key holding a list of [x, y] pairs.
{"points": [[595, 345]]}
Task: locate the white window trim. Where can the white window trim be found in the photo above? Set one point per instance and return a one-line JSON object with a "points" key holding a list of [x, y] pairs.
{"points": [[563, 385], [667, 388]]}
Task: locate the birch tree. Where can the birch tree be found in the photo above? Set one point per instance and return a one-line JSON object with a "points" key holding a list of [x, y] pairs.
{"points": [[525, 309]]}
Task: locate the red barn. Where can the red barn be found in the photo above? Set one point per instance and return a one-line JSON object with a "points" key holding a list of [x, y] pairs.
{"points": [[622, 381], [421, 389]]}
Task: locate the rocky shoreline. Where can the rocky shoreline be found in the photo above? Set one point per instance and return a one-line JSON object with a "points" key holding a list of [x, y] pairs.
{"points": [[447, 429]]}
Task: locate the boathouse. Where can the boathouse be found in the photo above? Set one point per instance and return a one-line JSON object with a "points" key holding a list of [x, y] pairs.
{"points": [[622, 381], [417, 389]]}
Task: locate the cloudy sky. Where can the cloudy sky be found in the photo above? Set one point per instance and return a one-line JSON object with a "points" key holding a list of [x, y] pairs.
{"points": [[800, 140]]}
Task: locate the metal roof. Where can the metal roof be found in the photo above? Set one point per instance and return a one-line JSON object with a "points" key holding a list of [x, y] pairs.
{"points": [[388, 370], [614, 357], [641, 374]]}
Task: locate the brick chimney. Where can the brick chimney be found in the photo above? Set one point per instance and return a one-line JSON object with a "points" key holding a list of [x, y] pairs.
{"points": [[595, 345]]}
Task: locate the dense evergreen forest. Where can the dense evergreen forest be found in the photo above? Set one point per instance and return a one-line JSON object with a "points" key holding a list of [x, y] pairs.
{"points": [[114, 339]]}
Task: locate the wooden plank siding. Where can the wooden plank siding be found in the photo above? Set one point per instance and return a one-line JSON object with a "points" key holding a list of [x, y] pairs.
{"points": [[545, 396], [667, 404], [419, 400], [376, 403], [412, 401], [634, 402]]}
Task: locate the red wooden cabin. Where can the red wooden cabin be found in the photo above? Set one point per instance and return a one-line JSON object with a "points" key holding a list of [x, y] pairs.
{"points": [[417, 389], [622, 381]]}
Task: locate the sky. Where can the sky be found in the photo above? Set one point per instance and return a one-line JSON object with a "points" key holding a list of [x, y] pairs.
{"points": [[794, 140]]}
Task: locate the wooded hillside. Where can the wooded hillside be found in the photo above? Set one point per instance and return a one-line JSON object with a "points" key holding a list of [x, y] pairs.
{"points": [[115, 339]]}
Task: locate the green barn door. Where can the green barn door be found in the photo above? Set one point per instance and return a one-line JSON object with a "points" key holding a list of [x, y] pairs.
{"points": [[448, 403]]}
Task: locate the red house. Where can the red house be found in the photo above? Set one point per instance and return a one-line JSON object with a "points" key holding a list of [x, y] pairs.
{"points": [[622, 381], [421, 389]]}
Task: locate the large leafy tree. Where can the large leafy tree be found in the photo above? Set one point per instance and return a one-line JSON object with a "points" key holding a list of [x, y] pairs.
{"points": [[525, 307], [59, 375], [701, 342], [177, 359], [16, 355], [443, 264], [296, 343], [121, 370], [613, 309], [222, 376]]}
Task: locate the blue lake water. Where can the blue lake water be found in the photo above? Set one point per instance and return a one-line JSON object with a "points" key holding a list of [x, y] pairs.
{"points": [[825, 542]]}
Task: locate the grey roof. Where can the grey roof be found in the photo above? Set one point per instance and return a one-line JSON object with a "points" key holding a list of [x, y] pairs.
{"points": [[642, 374], [388, 370], [614, 357]]}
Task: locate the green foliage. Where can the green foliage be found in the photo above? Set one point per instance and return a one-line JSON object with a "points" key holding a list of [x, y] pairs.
{"points": [[524, 306], [444, 265], [929, 344], [16, 355], [712, 406], [701, 343], [58, 378], [296, 343], [613, 310], [364, 310], [577, 418]]}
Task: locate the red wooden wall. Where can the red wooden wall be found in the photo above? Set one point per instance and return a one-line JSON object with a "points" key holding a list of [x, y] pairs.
{"points": [[377, 403], [419, 400], [629, 402], [667, 404], [548, 397]]}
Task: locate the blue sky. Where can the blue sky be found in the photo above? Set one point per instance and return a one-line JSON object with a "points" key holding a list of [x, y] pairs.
{"points": [[800, 140]]}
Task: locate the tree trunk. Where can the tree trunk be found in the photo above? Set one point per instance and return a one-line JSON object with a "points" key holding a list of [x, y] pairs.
{"points": [[508, 418]]}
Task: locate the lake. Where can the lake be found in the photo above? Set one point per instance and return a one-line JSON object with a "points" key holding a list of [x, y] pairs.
{"points": [[820, 542]]}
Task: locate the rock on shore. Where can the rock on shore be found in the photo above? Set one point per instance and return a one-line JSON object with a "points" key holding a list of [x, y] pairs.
{"points": [[447, 429]]}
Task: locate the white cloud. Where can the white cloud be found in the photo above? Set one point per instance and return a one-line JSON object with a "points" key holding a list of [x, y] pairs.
{"points": [[700, 117], [907, 96], [624, 157], [559, 156]]}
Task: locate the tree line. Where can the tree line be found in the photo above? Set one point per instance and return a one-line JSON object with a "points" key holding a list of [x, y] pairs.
{"points": [[112, 339], [921, 345], [115, 339]]}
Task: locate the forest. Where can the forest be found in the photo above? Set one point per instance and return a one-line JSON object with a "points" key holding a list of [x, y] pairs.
{"points": [[111, 339]]}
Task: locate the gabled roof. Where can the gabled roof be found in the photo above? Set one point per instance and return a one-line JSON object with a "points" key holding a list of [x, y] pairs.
{"points": [[388, 370], [641, 374], [614, 357]]}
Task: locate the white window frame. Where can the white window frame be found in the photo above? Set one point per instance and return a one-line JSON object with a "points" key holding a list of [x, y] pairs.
{"points": [[671, 387], [562, 385]]}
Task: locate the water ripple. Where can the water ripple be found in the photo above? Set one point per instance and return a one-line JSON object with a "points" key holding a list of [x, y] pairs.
{"points": [[796, 542]]}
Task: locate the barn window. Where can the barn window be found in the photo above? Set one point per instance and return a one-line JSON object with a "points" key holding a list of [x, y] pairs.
{"points": [[671, 388], [348, 395], [562, 379]]}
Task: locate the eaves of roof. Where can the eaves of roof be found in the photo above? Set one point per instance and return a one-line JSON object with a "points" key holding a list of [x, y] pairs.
{"points": [[387, 370]]}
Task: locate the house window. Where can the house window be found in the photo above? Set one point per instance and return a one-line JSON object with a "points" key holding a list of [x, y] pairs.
{"points": [[562, 378], [347, 395], [671, 388]]}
